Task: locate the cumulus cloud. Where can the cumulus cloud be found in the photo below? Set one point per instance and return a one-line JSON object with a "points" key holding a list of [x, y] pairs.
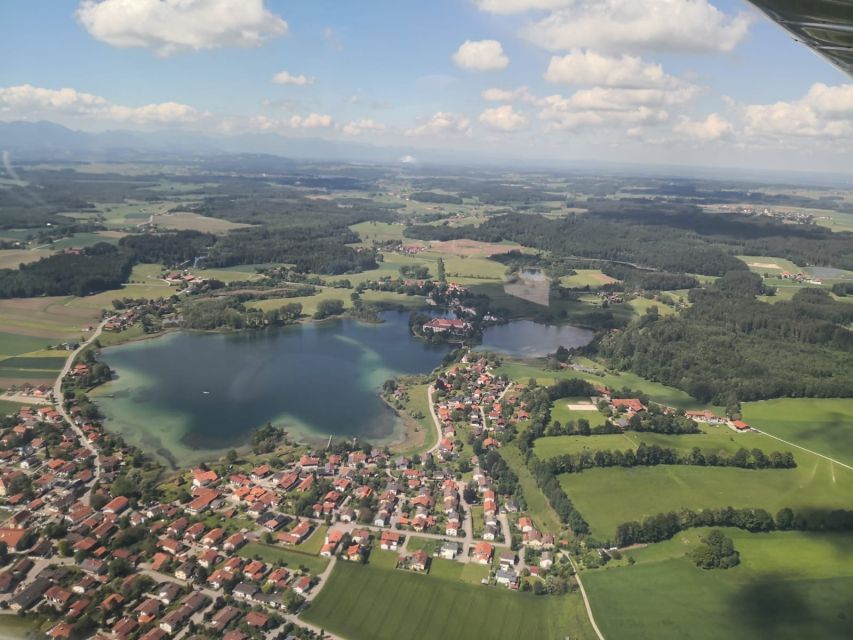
{"points": [[480, 55], [572, 120], [714, 127], [497, 94], [503, 118], [442, 123], [171, 26], [609, 99], [505, 7], [693, 26], [285, 77], [311, 121], [588, 67], [27, 101], [356, 128]]}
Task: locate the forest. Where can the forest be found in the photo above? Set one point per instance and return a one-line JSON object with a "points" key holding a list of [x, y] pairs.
{"points": [[730, 347], [97, 268]]}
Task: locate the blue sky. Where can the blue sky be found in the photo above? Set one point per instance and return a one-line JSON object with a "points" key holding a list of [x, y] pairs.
{"points": [[665, 81]]}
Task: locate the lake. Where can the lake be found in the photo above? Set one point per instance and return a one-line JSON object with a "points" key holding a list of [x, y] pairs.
{"points": [[528, 339], [191, 396]]}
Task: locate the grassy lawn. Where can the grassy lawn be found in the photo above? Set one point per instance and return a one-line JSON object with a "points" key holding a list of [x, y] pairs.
{"points": [[14, 627], [422, 544], [291, 558], [592, 278], [372, 603], [314, 542], [560, 412], [14, 258], [538, 507], [418, 404], [788, 585], [373, 231], [714, 439], [7, 407], [609, 497], [477, 521], [824, 425], [641, 305], [670, 396], [12, 344]]}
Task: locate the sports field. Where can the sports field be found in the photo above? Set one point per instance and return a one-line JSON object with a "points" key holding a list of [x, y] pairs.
{"points": [[824, 425], [367, 602], [561, 412], [788, 585], [608, 497]]}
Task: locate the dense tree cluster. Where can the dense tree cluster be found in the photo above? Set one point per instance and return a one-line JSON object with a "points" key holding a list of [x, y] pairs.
{"points": [[646, 279], [717, 551], [433, 197], [665, 525], [653, 455], [231, 313], [506, 482], [560, 502], [168, 248], [95, 269]]}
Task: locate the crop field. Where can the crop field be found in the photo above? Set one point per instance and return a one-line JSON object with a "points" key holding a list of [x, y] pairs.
{"points": [[82, 240], [53, 319], [592, 278], [611, 496], [824, 425], [714, 439], [641, 305], [185, 220], [765, 264], [290, 558], [468, 248], [366, 602], [670, 396], [14, 258], [373, 231], [789, 585]]}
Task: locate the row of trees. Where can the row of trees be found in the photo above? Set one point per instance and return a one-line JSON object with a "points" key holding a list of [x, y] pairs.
{"points": [[650, 456], [663, 526], [560, 502]]}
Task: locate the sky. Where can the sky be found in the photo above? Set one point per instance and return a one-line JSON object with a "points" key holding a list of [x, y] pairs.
{"points": [[652, 81]]}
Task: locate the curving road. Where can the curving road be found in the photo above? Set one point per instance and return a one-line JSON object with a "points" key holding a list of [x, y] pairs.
{"points": [[60, 406]]}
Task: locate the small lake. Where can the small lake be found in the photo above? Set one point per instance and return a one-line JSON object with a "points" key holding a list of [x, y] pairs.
{"points": [[528, 339], [191, 396]]}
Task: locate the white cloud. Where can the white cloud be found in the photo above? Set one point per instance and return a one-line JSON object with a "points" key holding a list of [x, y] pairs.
{"points": [[311, 121], [693, 26], [27, 101], [496, 94], [285, 77], [572, 120], [823, 112], [609, 99], [588, 67], [332, 39], [503, 118], [356, 128], [714, 127], [506, 7], [480, 55], [170, 26], [441, 123]]}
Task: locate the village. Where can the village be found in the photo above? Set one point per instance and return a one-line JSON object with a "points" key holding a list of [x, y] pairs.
{"points": [[240, 547]]}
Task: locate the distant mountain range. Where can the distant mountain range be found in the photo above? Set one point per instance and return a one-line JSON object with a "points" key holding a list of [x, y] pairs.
{"points": [[28, 141]]}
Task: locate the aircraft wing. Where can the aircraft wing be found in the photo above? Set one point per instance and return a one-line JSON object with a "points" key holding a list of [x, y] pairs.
{"points": [[824, 25]]}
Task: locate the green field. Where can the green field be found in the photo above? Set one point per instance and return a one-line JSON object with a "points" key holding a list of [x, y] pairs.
{"points": [[538, 507], [592, 278], [788, 585], [7, 407], [418, 403], [824, 425], [560, 412], [611, 496], [373, 231], [290, 558], [670, 396], [713, 439], [429, 545], [12, 344], [366, 602]]}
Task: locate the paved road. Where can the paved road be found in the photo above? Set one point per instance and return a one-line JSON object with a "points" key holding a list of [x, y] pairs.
{"points": [[60, 405], [435, 420], [586, 600]]}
